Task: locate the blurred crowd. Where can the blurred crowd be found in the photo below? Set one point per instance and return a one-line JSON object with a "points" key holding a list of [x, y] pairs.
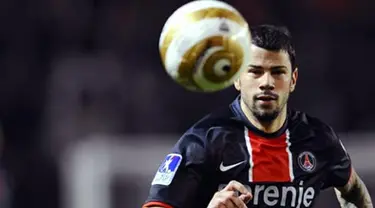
{"points": [[70, 68]]}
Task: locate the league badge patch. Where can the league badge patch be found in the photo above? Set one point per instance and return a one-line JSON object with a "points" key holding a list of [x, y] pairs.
{"points": [[167, 170]]}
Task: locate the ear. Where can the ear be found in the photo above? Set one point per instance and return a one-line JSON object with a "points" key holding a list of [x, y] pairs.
{"points": [[294, 80], [237, 84]]}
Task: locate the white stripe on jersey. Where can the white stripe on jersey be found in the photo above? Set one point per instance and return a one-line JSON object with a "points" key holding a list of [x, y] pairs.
{"points": [[250, 150], [290, 156]]}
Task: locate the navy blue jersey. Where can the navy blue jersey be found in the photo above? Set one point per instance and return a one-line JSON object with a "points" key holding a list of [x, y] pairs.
{"points": [[287, 168]]}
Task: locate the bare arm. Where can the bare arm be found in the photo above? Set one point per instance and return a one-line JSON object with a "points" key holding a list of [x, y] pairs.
{"points": [[354, 192]]}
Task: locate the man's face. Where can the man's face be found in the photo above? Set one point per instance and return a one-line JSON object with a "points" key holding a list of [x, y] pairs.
{"points": [[266, 84]]}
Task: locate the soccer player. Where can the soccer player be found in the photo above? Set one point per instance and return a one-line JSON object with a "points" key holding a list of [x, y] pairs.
{"points": [[258, 152]]}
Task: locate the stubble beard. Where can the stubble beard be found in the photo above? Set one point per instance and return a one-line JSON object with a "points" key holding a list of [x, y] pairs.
{"points": [[266, 115]]}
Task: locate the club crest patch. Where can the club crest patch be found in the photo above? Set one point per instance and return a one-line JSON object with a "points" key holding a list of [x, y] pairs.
{"points": [[307, 161], [167, 170]]}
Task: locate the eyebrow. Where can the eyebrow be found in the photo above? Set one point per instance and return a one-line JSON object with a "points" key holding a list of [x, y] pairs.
{"points": [[273, 67]]}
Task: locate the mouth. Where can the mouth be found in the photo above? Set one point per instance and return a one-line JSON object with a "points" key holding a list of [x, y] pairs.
{"points": [[266, 97], [266, 100]]}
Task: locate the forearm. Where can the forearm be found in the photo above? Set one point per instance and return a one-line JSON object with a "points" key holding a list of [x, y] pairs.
{"points": [[354, 192]]}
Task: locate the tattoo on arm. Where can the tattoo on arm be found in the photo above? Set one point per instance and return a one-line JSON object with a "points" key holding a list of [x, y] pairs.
{"points": [[354, 192]]}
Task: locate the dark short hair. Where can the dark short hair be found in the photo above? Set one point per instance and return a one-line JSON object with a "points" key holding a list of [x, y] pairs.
{"points": [[274, 38]]}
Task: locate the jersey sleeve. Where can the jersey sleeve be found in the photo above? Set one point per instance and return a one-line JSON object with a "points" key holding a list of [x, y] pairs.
{"points": [[339, 170], [176, 181]]}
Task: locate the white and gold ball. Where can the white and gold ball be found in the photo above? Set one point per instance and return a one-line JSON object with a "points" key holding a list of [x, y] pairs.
{"points": [[204, 45]]}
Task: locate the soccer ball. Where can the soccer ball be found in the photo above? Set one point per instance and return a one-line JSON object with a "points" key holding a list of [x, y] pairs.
{"points": [[204, 45]]}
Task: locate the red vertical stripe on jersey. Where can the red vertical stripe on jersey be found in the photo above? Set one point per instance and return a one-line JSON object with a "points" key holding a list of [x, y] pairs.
{"points": [[270, 159]]}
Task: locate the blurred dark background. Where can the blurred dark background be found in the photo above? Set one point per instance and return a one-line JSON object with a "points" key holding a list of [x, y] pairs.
{"points": [[74, 68]]}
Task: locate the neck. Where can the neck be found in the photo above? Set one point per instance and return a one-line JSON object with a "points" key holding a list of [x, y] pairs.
{"points": [[267, 127]]}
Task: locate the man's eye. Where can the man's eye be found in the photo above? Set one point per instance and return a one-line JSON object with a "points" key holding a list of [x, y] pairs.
{"points": [[255, 71], [278, 72]]}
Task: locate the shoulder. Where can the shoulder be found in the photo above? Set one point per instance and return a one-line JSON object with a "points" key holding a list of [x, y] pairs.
{"points": [[200, 141], [217, 122], [222, 118], [302, 122]]}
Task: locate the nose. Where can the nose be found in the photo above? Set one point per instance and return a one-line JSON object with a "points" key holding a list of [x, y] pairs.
{"points": [[267, 82]]}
